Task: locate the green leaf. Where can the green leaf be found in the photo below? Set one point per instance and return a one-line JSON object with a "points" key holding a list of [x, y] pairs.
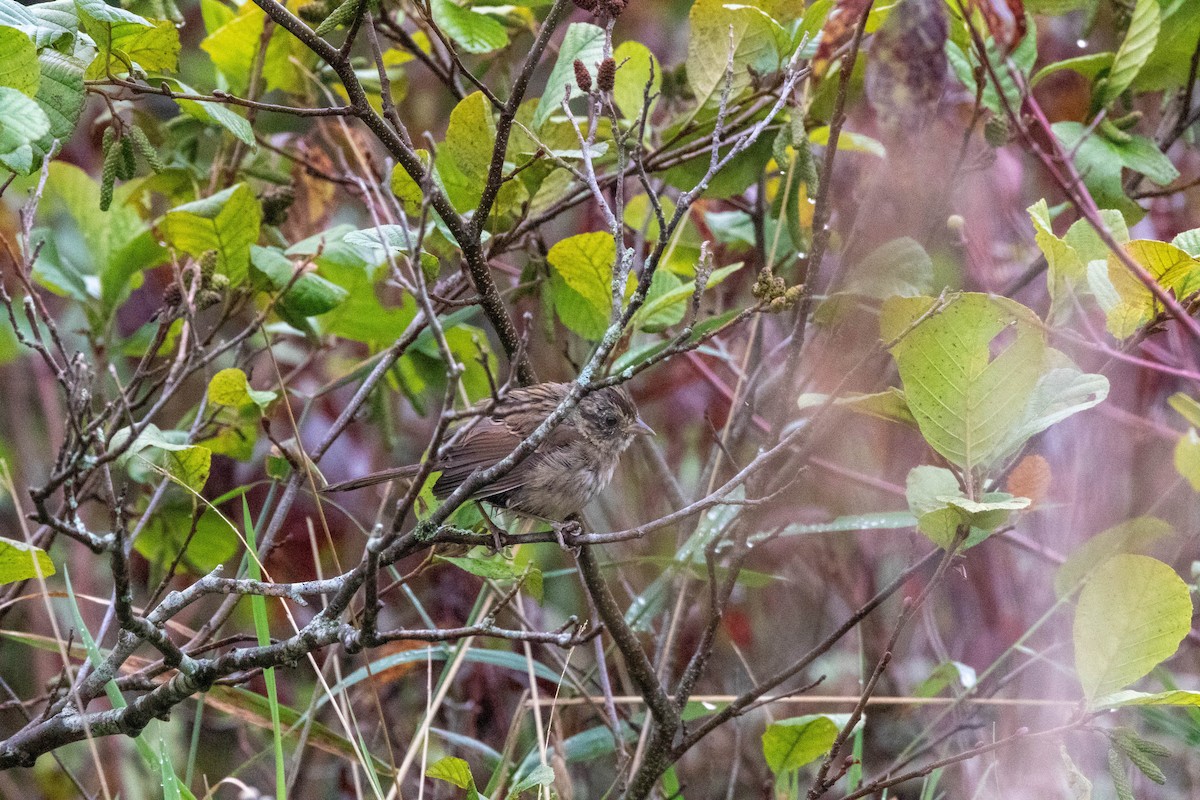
{"points": [[541, 775], [1169, 64], [18, 62], [941, 508], [362, 316], [1188, 407], [213, 113], [61, 95], [118, 242], [849, 142], [234, 46], [494, 567], [188, 464], [22, 123], [1022, 58], [1129, 697], [888, 405], [100, 11], [1064, 267], [968, 371], [789, 744], [1089, 66], [455, 771], [227, 222], [407, 190], [15, 15], [899, 268], [1132, 536], [20, 561], [57, 24], [758, 43], [575, 311], [310, 295], [1067, 258], [471, 135], [231, 387], [584, 262], [945, 674], [1130, 305], [53, 24], [470, 30], [668, 298], [153, 49], [1100, 161], [1188, 241], [1062, 390], [164, 536], [1132, 614], [636, 66], [1134, 51], [582, 41], [734, 178], [1187, 457]]}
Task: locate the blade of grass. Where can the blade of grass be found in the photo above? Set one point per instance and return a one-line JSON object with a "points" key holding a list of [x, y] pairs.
{"points": [[258, 606]]}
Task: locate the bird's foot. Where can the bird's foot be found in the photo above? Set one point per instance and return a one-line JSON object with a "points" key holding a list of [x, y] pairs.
{"points": [[495, 530], [566, 531]]}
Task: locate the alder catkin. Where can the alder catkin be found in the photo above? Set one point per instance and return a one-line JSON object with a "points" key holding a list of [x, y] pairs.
{"points": [[606, 75], [108, 172], [585, 5], [142, 143], [583, 78], [127, 166]]}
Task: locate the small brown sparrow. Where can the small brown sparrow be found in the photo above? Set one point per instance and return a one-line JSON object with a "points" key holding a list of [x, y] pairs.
{"points": [[561, 476]]}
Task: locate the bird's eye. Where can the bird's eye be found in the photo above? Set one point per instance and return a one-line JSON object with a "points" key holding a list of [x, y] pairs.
{"points": [[610, 420]]}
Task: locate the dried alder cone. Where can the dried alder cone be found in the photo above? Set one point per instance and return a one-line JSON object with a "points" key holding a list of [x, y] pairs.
{"points": [[611, 8], [606, 75], [583, 78], [570, 467]]}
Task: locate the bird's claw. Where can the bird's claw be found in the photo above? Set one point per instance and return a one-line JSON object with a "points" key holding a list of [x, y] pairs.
{"points": [[565, 531]]}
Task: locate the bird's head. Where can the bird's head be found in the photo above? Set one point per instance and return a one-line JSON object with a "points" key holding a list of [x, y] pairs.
{"points": [[608, 417]]}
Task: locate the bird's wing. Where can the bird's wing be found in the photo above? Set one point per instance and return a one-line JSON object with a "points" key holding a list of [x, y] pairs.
{"points": [[488, 441], [484, 445]]}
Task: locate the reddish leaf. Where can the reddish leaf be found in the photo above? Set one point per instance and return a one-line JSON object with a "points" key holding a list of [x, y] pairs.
{"points": [[1030, 478], [1005, 20], [839, 29]]}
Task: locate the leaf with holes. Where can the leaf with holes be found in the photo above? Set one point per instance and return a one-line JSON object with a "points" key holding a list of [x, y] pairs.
{"points": [[969, 370]]}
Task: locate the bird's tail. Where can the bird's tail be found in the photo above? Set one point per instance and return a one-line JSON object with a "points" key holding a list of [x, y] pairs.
{"points": [[383, 476]]}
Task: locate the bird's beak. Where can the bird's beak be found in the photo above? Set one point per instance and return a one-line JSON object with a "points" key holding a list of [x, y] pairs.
{"points": [[640, 428]]}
